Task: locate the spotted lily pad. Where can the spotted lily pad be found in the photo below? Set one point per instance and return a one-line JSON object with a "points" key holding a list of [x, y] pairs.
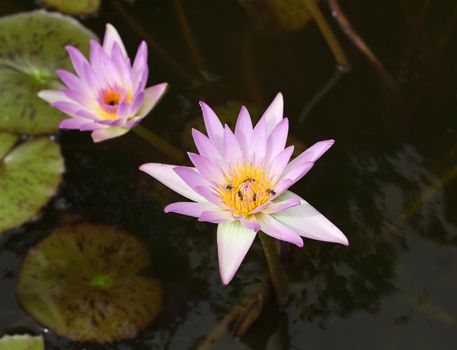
{"points": [[32, 48], [72, 7], [82, 282], [21, 342], [30, 173]]}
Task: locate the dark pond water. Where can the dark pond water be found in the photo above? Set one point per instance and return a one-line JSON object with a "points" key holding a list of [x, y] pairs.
{"points": [[388, 183]]}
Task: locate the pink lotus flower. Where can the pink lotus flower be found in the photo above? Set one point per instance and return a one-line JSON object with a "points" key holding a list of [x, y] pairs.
{"points": [[240, 182], [107, 95]]}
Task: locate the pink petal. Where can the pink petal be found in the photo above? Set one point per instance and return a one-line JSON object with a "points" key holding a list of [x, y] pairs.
{"points": [[279, 163], [52, 96], [233, 243], [90, 126], [206, 167], [137, 103], [209, 195], [300, 166], [191, 176], [140, 65], [278, 206], [204, 145], [111, 37], [278, 230], [72, 123], [165, 174], [71, 80], [308, 222], [213, 126], [78, 60], [121, 67], [276, 142], [258, 145], [312, 154], [243, 129], [274, 113], [107, 133], [152, 95], [215, 216], [187, 208], [95, 51], [69, 108], [232, 149], [250, 222], [282, 186], [79, 96]]}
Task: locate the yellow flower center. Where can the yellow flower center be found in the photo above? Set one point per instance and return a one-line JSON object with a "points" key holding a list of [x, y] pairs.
{"points": [[246, 188], [109, 99], [112, 98]]}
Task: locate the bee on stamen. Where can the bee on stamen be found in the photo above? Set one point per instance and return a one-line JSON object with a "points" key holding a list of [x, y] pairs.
{"points": [[229, 187], [254, 197], [271, 192], [249, 179], [240, 195]]}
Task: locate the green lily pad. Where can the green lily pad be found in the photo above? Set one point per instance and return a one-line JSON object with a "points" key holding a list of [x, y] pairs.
{"points": [[82, 282], [21, 342], [72, 7], [29, 175], [32, 48]]}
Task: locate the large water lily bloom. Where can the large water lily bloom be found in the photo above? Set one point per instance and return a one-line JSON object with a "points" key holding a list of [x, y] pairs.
{"points": [[240, 181], [107, 95]]}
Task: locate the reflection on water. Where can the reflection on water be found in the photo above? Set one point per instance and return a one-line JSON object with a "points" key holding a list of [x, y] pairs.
{"points": [[389, 182]]}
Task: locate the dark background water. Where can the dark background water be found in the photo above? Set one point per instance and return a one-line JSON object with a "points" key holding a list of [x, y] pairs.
{"points": [[388, 182]]}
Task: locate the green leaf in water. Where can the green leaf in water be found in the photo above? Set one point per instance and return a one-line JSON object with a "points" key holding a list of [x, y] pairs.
{"points": [[82, 282], [21, 342], [29, 175], [72, 7], [33, 47]]}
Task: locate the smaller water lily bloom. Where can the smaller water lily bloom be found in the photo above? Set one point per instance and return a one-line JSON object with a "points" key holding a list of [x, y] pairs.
{"points": [[107, 95], [240, 181]]}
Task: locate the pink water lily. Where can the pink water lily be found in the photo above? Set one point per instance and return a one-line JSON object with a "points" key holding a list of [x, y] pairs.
{"points": [[240, 181], [107, 95]]}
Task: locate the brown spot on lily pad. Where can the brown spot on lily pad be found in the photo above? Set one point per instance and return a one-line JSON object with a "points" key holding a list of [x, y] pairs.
{"points": [[32, 48], [30, 173], [83, 282]]}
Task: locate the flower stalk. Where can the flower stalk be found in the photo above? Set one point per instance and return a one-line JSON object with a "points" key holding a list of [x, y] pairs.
{"points": [[277, 274], [159, 143], [328, 34]]}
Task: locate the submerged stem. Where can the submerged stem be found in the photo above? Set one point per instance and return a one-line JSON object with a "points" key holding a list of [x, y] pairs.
{"points": [[277, 274], [159, 143], [327, 32]]}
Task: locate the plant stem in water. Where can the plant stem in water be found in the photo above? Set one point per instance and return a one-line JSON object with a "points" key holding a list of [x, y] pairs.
{"points": [[326, 31], [277, 274], [159, 143]]}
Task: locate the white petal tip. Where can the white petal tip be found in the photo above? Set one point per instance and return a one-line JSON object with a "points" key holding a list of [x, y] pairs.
{"points": [[344, 241]]}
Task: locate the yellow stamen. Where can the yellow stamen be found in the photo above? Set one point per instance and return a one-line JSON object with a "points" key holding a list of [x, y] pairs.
{"points": [[246, 188], [109, 99], [112, 98]]}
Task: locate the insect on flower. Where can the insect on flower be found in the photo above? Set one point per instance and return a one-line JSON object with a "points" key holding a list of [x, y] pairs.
{"points": [[240, 181], [107, 95]]}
